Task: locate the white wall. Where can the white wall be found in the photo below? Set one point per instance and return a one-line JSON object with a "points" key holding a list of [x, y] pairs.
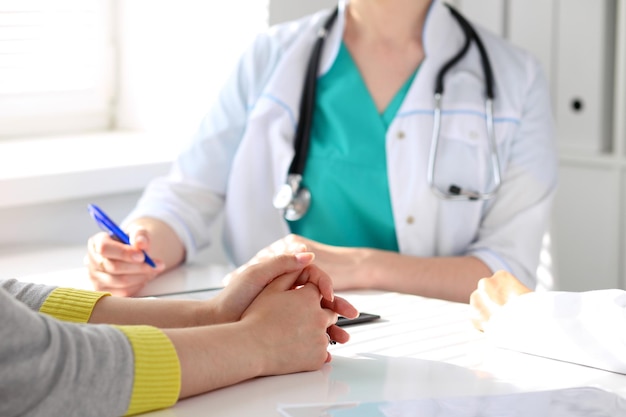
{"points": [[169, 80], [284, 10]]}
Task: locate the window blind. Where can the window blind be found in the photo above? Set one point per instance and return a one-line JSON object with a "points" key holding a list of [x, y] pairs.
{"points": [[56, 66]]}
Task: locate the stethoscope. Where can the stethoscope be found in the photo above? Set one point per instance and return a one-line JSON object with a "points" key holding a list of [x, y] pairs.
{"points": [[295, 199]]}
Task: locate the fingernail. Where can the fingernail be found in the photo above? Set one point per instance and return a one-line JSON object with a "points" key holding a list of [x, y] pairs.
{"points": [[137, 257], [304, 258]]}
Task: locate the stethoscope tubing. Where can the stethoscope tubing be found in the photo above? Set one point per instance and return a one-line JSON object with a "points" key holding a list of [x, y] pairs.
{"points": [[307, 101], [294, 199], [455, 192]]}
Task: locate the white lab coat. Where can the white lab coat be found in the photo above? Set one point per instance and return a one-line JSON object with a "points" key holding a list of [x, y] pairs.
{"points": [[587, 328], [242, 151]]}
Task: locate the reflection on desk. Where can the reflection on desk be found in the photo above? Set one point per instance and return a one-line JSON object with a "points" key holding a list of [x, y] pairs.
{"points": [[570, 402]]}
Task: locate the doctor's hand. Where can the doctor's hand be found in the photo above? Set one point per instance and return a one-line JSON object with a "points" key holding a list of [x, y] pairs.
{"points": [[119, 268], [248, 281], [343, 264], [493, 293]]}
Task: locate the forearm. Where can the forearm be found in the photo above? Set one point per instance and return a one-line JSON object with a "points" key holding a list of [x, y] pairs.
{"points": [[154, 312], [213, 357], [448, 278]]}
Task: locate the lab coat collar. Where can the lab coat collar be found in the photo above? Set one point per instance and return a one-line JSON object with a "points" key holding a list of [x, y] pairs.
{"points": [[331, 46], [442, 37]]}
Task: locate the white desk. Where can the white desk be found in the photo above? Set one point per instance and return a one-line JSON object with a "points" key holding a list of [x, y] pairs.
{"points": [[420, 348]]}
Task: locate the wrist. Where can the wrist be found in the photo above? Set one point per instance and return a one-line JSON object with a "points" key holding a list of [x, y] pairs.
{"points": [[258, 357], [205, 313], [367, 268]]}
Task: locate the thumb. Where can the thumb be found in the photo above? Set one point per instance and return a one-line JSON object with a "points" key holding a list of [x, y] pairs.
{"points": [[265, 272]]}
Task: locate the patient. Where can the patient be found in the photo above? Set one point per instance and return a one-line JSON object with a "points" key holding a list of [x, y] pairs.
{"points": [[587, 328], [275, 317]]}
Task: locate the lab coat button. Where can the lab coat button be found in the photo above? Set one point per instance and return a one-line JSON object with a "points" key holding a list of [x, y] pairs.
{"points": [[473, 134], [410, 220], [400, 134]]}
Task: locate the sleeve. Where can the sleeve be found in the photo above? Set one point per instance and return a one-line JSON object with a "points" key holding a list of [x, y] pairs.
{"points": [[583, 328], [33, 295], [192, 195], [512, 230], [97, 369]]}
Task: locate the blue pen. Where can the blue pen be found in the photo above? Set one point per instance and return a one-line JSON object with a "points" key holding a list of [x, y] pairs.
{"points": [[110, 227]]}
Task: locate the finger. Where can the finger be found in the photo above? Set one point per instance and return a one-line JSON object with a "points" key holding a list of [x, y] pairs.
{"points": [[291, 244], [286, 282], [264, 273], [338, 334], [261, 256], [94, 245], [107, 280], [477, 321], [331, 316], [115, 267], [317, 276], [297, 247], [139, 237], [123, 287], [342, 307], [478, 312], [102, 245], [114, 274], [482, 284]]}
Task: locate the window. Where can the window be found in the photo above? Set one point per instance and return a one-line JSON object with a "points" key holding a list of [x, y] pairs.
{"points": [[71, 66], [56, 66], [175, 56]]}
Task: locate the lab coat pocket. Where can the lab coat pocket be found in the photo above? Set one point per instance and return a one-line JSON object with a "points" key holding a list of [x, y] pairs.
{"points": [[464, 153]]}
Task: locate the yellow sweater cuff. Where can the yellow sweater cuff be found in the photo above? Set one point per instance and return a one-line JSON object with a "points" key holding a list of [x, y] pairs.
{"points": [[157, 369], [69, 304]]}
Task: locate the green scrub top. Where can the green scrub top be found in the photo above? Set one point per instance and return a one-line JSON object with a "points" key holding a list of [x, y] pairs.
{"points": [[346, 168]]}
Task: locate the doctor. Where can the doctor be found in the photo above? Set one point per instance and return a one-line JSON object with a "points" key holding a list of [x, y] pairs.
{"points": [[383, 212]]}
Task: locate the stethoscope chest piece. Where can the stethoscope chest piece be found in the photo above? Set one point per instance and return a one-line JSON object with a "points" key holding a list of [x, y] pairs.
{"points": [[293, 199]]}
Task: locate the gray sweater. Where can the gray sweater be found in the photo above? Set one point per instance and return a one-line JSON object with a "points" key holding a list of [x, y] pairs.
{"points": [[54, 368]]}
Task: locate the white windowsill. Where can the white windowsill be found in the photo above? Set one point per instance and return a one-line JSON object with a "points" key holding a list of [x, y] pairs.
{"points": [[41, 170]]}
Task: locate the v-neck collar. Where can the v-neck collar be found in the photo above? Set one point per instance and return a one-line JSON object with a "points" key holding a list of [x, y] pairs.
{"points": [[344, 57]]}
